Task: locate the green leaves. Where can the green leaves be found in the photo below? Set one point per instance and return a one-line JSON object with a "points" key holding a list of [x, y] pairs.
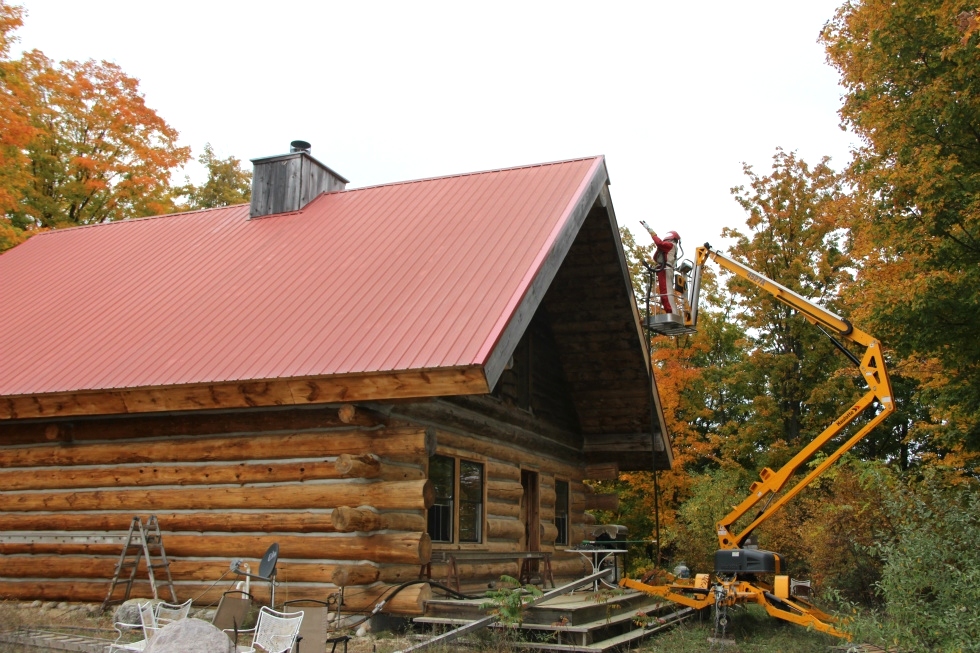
{"points": [[227, 183], [913, 96]]}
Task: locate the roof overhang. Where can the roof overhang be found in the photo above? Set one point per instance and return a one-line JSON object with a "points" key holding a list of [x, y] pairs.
{"points": [[407, 384]]}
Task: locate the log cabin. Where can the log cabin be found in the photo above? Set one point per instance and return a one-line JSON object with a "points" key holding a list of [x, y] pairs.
{"points": [[367, 377]]}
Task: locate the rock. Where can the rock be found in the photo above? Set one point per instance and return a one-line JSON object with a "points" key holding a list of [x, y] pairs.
{"points": [[129, 612], [190, 636]]}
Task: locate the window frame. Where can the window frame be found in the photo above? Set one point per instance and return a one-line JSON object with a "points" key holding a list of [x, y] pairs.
{"points": [[457, 501], [564, 530]]}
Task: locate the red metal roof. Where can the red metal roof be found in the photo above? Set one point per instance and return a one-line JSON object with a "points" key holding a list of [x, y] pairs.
{"points": [[416, 275]]}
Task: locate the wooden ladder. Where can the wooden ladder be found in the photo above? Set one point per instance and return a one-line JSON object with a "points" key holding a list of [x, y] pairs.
{"points": [[141, 541]]}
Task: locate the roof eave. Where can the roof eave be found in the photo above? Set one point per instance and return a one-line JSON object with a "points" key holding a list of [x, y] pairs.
{"points": [[402, 384]]}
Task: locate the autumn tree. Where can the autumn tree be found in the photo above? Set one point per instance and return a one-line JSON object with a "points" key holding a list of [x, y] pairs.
{"points": [[227, 183], [794, 218], [79, 145], [15, 129], [913, 95]]}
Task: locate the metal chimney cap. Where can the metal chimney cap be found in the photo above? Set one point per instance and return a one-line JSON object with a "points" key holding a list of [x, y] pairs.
{"points": [[299, 146]]}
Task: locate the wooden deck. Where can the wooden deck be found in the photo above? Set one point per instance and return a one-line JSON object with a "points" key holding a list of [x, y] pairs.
{"points": [[581, 621]]}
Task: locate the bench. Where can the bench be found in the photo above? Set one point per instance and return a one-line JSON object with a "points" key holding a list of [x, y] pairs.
{"points": [[524, 560]]}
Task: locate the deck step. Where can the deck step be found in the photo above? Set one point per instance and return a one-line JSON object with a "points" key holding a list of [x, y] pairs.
{"points": [[51, 641], [609, 628]]}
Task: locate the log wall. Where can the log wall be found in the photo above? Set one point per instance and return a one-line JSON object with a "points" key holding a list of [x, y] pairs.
{"points": [[343, 492], [222, 489]]}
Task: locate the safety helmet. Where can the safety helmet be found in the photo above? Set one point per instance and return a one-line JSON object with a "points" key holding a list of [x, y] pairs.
{"points": [[672, 235]]}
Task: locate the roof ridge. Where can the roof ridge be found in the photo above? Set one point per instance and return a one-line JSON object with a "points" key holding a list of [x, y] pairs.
{"points": [[470, 174]]}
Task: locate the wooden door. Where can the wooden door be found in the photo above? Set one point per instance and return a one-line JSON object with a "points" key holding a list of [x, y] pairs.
{"points": [[530, 511]]}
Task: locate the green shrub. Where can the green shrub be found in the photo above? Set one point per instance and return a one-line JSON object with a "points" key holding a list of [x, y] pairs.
{"points": [[930, 580]]}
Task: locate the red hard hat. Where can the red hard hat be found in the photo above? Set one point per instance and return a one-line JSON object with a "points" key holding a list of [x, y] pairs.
{"points": [[672, 235]]}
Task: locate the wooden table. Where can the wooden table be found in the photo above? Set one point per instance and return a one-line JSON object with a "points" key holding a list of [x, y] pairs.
{"points": [[454, 559]]}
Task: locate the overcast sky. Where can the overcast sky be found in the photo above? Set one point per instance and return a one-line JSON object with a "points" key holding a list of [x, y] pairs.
{"points": [[675, 95]]}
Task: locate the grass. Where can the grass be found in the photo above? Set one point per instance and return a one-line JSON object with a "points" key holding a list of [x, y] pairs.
{"points": [[752, 629]]}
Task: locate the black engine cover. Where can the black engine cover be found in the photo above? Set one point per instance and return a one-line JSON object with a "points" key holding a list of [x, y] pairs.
{"points": [[747, 561]]}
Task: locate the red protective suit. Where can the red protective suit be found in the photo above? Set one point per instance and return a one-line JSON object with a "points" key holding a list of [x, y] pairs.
{"points": [[664, 260]]}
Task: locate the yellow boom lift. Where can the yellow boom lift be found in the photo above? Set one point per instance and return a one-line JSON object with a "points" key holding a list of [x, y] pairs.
{"points": [[738, 567]]}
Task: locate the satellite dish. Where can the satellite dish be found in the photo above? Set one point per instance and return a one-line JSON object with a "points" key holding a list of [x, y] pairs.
{"points": [[267, 568]]}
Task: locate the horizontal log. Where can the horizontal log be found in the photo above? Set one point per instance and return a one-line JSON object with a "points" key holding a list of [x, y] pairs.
{"points": [[397, 574], [549, 533], [509, 529], [384, 495], [547, 497], [398, 548], [505, 490], [503, 471], [602, 502], [407, 444], [408, 602], [187, 423], [617, 443], [348, 520], [503, 509], [150, 475], [278, 392], [225, 521], [366, 465], [571, 565], [463, 445], [602, 472], [103, 567]]}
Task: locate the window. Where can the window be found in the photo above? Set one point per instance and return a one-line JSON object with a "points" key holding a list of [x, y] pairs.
{"points": [[451, 520], [470, 501], [441, 473], [561, 511]]}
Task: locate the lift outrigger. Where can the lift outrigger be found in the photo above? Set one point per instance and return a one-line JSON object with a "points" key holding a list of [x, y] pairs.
{"points": [[738, 566]]}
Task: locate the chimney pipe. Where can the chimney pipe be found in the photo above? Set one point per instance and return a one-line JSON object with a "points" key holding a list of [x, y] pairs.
{"points": [[299, 146]]}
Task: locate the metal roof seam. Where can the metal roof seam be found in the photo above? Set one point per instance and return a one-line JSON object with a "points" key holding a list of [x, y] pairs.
{"points": [[544, 252], [464, 231], [516, 207], [532, 191]]}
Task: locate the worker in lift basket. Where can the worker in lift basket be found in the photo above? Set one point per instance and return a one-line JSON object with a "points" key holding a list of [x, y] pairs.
{"points": [[664, 260]]}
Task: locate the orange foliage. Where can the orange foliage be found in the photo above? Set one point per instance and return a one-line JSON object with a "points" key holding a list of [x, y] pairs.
{"points": [[78, 144]]}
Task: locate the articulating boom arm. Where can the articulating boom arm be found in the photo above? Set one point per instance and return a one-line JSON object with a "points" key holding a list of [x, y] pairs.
{"points": [[872, 365]]}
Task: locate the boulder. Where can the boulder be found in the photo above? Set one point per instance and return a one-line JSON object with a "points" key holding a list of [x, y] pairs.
{"points": [[189, 636], [129, 612]]}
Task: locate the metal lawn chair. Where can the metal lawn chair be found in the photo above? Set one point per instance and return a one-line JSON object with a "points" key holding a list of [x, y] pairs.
{"points": [[148, 625], [313, 631], [233, 609], [274, 632], [166, 613]]}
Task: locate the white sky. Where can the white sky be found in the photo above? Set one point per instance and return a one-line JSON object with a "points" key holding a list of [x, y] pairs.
{"points": [[675, 95]]}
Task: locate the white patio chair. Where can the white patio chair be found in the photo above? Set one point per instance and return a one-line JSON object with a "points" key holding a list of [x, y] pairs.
{"points": [[169, 612], [148, 624], [274, 632]]}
